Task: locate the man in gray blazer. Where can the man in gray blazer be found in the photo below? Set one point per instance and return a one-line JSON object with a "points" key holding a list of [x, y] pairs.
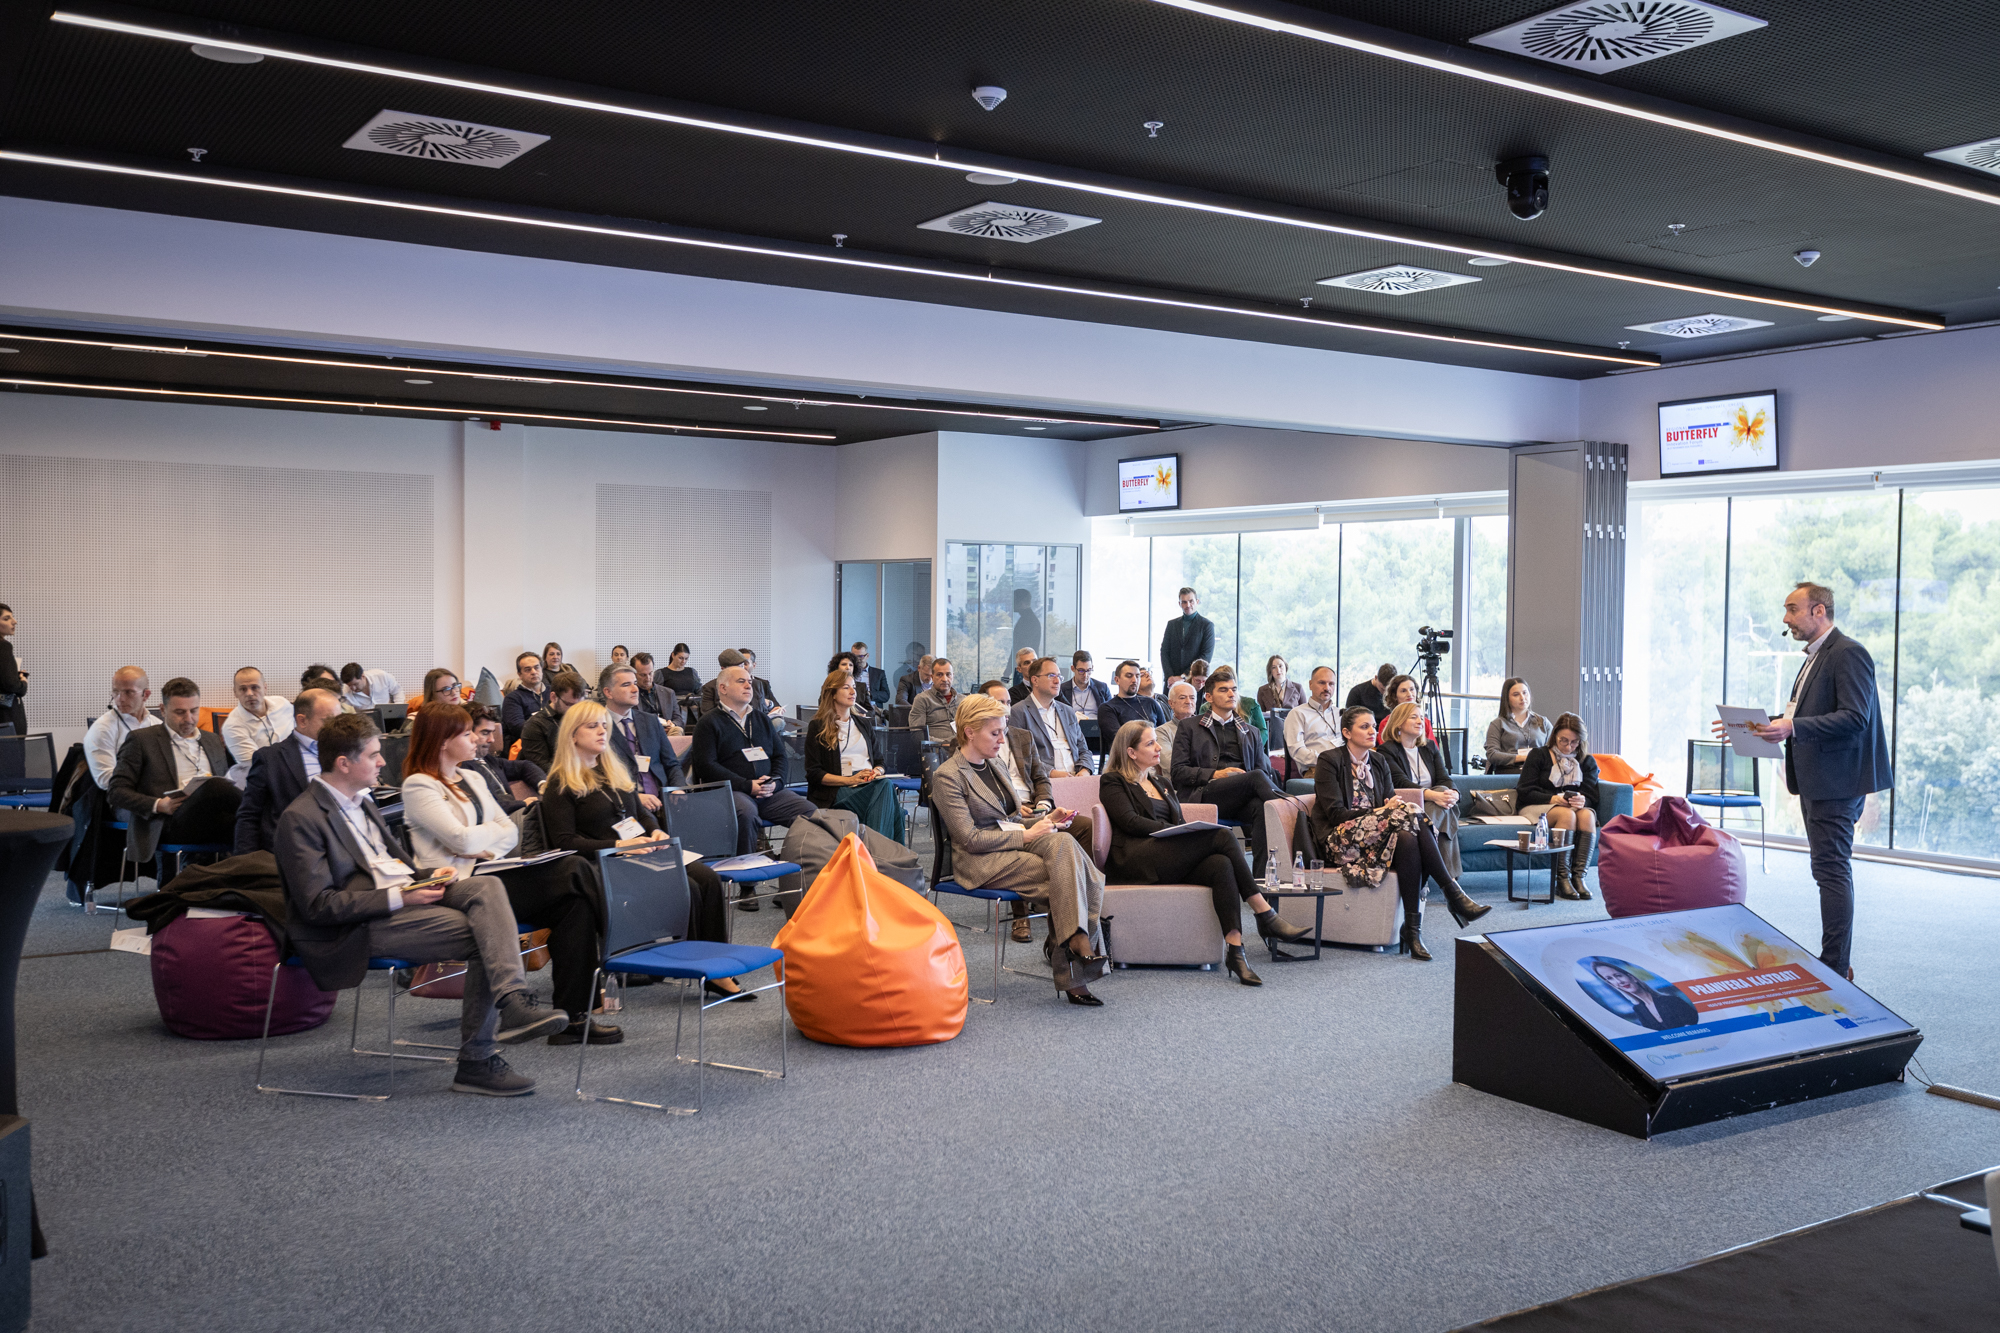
{"points": [[155, 762], [1836, 753], [353, 890], [1058, 738]]}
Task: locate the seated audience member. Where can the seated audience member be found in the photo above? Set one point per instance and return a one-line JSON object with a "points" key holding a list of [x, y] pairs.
{"points": [[456, 817], [620, 655], [552, 659], [1058, 739], [1139, 801], [935, 708], [526, 700], [538, 734], [916, 682], [1313, 727], [871, 684], [844, 661], [365, 689], [679, 676], [258, 720], [1560, 780], [973, 800], [442, 686], [1417, 762], [1244, 702], [1219, 761], [1128, 705], [1364, 831], [1146, 685], [1085, 697], [1404, 690], [844, 765], [638, 737], [1277, 691], [739, 745], [128, 713], [279, 773], [762, 701], [491, 759], [590, 803], [1197, 676], [354, 894], [1369, 693], [1180, 707], [655, 697], [320, 676], [1517, 730], [1017, 688], [177, 758], [1028, 774]]}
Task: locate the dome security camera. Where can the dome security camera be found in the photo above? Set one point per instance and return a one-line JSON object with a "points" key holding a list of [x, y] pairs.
{"points": [[1527, 182], [989, 96]]}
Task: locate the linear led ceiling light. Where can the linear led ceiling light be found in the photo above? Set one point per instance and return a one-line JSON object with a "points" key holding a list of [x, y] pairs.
{"points": [[486, 413], [840, 258], [162, 28], [1383, 43], [407, 367]]}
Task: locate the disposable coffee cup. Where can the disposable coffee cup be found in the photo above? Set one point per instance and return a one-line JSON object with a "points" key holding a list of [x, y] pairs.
{"points": [[1523, 839]]}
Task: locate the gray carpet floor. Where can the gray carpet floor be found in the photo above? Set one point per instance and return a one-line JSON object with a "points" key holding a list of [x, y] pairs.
{"points": [[1194, 1155]]}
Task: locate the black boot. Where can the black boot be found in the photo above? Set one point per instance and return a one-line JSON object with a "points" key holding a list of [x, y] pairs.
{"points": [[1238, 964], [1579, 860], [1272, 928], [1413, 945], [1463, 910], [1559, 876]]}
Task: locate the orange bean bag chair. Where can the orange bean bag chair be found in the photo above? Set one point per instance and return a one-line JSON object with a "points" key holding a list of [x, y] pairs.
{"points": [[868, 962], [1645, 787]]}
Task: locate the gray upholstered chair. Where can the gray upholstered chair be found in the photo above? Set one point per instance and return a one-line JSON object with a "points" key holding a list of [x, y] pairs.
{"points": [[1157, 925], [1355, 916]]}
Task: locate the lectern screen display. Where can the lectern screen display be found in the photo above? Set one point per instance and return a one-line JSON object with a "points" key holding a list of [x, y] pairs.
{"points": [[1688, 993]]}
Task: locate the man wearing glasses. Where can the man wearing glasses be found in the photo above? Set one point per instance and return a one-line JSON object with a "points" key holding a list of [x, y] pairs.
{"points": [[1050, 722]]}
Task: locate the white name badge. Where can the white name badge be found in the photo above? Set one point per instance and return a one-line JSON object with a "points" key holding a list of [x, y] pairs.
{"points": [[629, 827], [1791, 708], [389, 872], [847, 766], [755, 754], [644, 761]]}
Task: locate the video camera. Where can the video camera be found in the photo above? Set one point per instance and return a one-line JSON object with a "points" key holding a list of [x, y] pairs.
{"points": [[1433, 642]]}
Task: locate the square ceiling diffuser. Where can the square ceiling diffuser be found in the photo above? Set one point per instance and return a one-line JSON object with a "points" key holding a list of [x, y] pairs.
{"points": [[1612, 34], [401, 134], [1008, 222], [1982, 156], [1398, 280], [1700, 326]]}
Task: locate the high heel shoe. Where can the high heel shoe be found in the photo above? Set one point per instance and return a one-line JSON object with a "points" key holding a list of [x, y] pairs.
{"points": [[1240, 966], [1272, 928], [1413, 945], [1079, 948], [1082, 995], [1463, 910]]}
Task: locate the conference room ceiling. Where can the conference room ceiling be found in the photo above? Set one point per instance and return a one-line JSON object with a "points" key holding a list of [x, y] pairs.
{"points": [[1648, 223], [44, 360]]}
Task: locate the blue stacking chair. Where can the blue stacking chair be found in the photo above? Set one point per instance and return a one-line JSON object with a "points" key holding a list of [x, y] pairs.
{"points": [[646, 902], [703, 819], [28, 771], [1723, 780], [942, 882], [389, 965]]}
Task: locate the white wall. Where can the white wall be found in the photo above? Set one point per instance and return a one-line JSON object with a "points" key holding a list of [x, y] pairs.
{"points": [[1927, 398], [887, 500]]}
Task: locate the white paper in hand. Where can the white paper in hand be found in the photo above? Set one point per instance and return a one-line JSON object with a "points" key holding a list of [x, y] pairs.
{"points": [[1736, 723]]}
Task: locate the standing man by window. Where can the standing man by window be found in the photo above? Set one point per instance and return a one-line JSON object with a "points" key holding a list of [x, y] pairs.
{"points": [[1188, 640], [1835, 754], [1028, 628]]}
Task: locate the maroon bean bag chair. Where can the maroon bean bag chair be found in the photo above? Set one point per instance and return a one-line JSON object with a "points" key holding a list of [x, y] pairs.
{"points": [[1668, 860], [212, 975]]}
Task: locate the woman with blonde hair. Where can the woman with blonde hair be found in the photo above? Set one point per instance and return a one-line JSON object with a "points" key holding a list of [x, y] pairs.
{"points": [[1415, 761], [590, 803], [994, 846], [844, 767]]}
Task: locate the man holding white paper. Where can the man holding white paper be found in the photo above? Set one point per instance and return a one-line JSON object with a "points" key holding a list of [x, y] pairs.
{"points": [[1835, 754]]}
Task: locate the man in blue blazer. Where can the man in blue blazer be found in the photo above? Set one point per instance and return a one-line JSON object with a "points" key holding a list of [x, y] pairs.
{"points": [[638, 736], [279, 773], [1835, 754], [1050, 722]]}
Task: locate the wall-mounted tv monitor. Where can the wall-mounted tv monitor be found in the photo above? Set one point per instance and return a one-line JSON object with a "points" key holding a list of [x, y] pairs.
{"points": [[1153, 482], [1700, 436]]}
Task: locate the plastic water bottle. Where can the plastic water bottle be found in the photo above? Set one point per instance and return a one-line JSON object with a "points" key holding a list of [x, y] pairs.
{"points": [[1542, 833], [1299, 871], [1271, 870], [611, 1003]]}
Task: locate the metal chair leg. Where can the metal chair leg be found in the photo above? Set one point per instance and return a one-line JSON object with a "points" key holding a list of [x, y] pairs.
{"points": [[392, 1053], [270, 1004]]}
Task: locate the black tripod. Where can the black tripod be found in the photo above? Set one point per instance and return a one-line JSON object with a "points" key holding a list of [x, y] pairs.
{"points": [[1430, 699]]}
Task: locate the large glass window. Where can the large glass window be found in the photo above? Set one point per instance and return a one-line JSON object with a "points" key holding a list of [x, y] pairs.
{"points": [[1395, 578], [885, 604], [1291, 602], [1674, 562], [1001, 597], [1484, 642]]}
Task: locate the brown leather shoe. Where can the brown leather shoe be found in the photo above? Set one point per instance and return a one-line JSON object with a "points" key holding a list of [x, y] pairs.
{"points": [[1024, 931]]}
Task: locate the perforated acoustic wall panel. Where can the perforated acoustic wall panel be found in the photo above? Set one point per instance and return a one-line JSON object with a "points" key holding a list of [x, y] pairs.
{"points": [[720, 597], [195, 570]]}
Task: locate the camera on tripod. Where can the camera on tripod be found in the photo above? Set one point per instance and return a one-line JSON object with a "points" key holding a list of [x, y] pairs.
{"points": [[1433, 642]]}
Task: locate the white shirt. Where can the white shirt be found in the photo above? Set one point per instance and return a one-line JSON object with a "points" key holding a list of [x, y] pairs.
{"points": [[364, 829], [1017, 780], [1059, 738], [101, 742], [1420, 772], [1310, 731], [854, 748], [190, 760], [245, 735], [381, 688]]}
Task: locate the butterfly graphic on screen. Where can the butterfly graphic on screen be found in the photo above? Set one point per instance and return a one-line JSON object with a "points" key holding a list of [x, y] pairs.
{"points": [[1751, 430], [1163, 476]]}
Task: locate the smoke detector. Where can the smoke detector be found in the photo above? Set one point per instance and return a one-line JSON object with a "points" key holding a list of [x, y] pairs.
{"points": [[1613, 34], [988, 96], [1008, 222], [402, 134], [1982, 156], [1700, 326], [1398, 280]]}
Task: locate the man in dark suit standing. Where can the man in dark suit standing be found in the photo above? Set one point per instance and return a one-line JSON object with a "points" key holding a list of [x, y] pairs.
{"points": [[1835, 754], [352, 886], [638, 737], [172, 777], [1188, 639], [279, 773]]}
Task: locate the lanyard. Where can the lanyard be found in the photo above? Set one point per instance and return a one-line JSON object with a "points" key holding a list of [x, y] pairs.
{"points": [[370, 840], [198, 759]]}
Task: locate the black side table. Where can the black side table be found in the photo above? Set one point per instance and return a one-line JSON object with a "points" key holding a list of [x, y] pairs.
{"points": [[1513, 848], [1319, 897]]}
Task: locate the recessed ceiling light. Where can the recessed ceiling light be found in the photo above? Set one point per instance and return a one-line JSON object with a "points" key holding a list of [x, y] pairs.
{"points": [[1398, 280], [10, 351], [416, 381], [755, 407], [1834, 319], [225, 55], [991, 178], [1487, 261], [1034, 428]]}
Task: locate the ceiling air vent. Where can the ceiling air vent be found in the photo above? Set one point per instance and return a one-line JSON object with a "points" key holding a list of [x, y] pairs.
{"points": [[1599, 38], [1008, 222], [403, 134], [1398, 280], [1982, 156], [1700, 326]]}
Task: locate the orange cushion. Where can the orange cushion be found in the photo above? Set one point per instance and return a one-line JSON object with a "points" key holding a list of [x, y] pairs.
{"points": [[869, 962], [1645, 787]]}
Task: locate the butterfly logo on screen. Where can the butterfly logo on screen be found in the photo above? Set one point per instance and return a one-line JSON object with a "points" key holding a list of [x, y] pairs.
{"points": [[1163, 476], [1751, 430]]}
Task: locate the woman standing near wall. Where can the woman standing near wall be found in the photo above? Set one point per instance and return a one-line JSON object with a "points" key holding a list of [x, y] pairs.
{"points": [[13, 680]]}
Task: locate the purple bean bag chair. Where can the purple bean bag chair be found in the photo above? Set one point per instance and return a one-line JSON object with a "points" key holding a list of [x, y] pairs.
{"points": [[1668, 860]]}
